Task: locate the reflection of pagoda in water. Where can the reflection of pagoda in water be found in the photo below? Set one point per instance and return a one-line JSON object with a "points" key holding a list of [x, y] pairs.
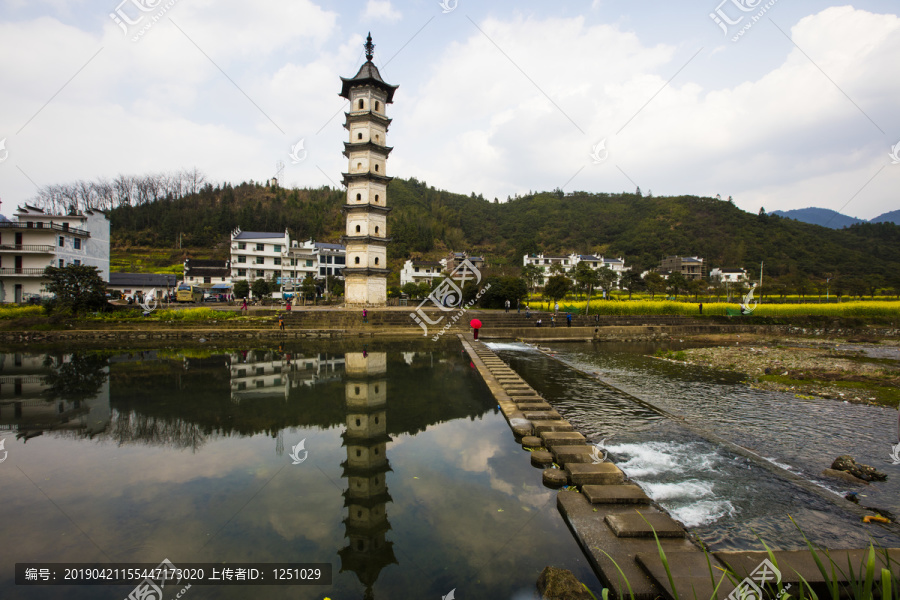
{"points": [[366, 496], [64, 393]]}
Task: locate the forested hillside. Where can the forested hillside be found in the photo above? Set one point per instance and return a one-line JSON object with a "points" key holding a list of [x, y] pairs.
{"points": [[426, 221]]}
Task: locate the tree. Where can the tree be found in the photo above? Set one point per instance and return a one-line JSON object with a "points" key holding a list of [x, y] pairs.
{"points": [[260, 288], [676, 283], [586, 278], [531, 274], [411, 289], [241, 288], [307, 287], [655, 283], [631, 281], [696, 287], [557, 287], [78, 288], [502, 289], [608, 279]]}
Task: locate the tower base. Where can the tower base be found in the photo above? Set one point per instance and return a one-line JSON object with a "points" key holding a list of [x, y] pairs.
{"points": [[363, 290]]}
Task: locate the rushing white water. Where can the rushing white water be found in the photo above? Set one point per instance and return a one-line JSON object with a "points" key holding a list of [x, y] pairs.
{"points": [[514, 346]]}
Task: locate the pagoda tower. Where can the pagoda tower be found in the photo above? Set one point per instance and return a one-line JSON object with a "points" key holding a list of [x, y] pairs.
{"points": [[368, 550], [365, 276]]}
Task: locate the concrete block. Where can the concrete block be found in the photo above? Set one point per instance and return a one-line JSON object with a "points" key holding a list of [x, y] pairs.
{"points": [[561, 438], [615, 494], [533, 406], [565, 455], [542, 415], [690, 574], [643, 525], [554, 478], [532, 441], [599, 474], [546, 425], [541, 458]]}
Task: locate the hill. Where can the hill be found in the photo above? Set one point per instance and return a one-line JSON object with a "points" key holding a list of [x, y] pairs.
{"points": [[819, 216], [427, 222], [888, 217]]}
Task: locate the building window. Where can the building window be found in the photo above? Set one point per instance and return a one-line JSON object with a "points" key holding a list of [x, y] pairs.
{"points": [[376, 105], [61, 263], [361, 104], [207, 280], [309, 263], [339, 260], [376, 230], [359, 136], [242, 259], [358, 230], [376, 260], [260, 247], [277, 247], [62, 241], [356, 260], [242, 272], [77, 262], [242, 246], [277, 260], [417, 269], [77, 243], [260, 274], [359, 197], [260, 260], [376, 168]]}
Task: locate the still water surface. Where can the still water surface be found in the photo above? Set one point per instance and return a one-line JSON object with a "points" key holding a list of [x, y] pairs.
{"points": [[725, 498], [412, 486]]}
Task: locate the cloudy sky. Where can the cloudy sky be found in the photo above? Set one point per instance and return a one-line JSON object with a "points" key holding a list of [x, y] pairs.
{"points": [[779, 103]]}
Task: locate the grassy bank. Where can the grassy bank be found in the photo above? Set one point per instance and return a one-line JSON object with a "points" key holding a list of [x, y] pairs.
{"points": [[878, 308]]}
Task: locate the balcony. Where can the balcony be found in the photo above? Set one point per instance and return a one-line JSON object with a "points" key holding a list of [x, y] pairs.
{"points": [[23, 272], [46, 249], [32, 225]]}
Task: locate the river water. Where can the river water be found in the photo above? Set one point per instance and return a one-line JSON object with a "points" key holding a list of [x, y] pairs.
{"points": [[390, 462], [730, 502]]}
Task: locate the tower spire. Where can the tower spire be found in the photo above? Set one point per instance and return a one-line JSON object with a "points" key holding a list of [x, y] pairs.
{"points": [[370, 47]]}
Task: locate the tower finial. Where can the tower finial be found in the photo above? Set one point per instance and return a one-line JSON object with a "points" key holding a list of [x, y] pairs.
{"points": [[370, 47]]}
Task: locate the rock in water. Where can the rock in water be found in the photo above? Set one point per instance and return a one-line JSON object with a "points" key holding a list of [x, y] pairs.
{"points": [[560, 584], [846, 463]]}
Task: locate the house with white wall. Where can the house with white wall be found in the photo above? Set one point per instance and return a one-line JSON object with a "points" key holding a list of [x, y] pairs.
{"points": [[36, 240]]}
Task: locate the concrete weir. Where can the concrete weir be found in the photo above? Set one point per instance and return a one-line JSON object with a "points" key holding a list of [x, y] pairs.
{"points": [[619, 528]]}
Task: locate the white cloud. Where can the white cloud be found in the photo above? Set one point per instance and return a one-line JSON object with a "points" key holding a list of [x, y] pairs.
{"points": [[381, 10]]}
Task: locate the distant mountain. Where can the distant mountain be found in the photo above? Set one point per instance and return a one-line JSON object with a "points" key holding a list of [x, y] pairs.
{"points": [[888, 217], [819, 216]]}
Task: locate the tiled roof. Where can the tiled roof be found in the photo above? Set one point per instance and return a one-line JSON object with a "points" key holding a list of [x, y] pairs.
{"points": [[258, 235], [141, 280], [328, 246]]}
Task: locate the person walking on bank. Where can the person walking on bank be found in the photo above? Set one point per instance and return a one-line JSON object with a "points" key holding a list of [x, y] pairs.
{"points": [[507, 306], [701, 308], [518, 307], [568, 319], [556, 308], [244, 309], [281, 322], [552, 320], [365, 316]]}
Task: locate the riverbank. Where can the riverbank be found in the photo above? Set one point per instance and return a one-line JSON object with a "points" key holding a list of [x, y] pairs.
{"points": [[861, 369]]}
